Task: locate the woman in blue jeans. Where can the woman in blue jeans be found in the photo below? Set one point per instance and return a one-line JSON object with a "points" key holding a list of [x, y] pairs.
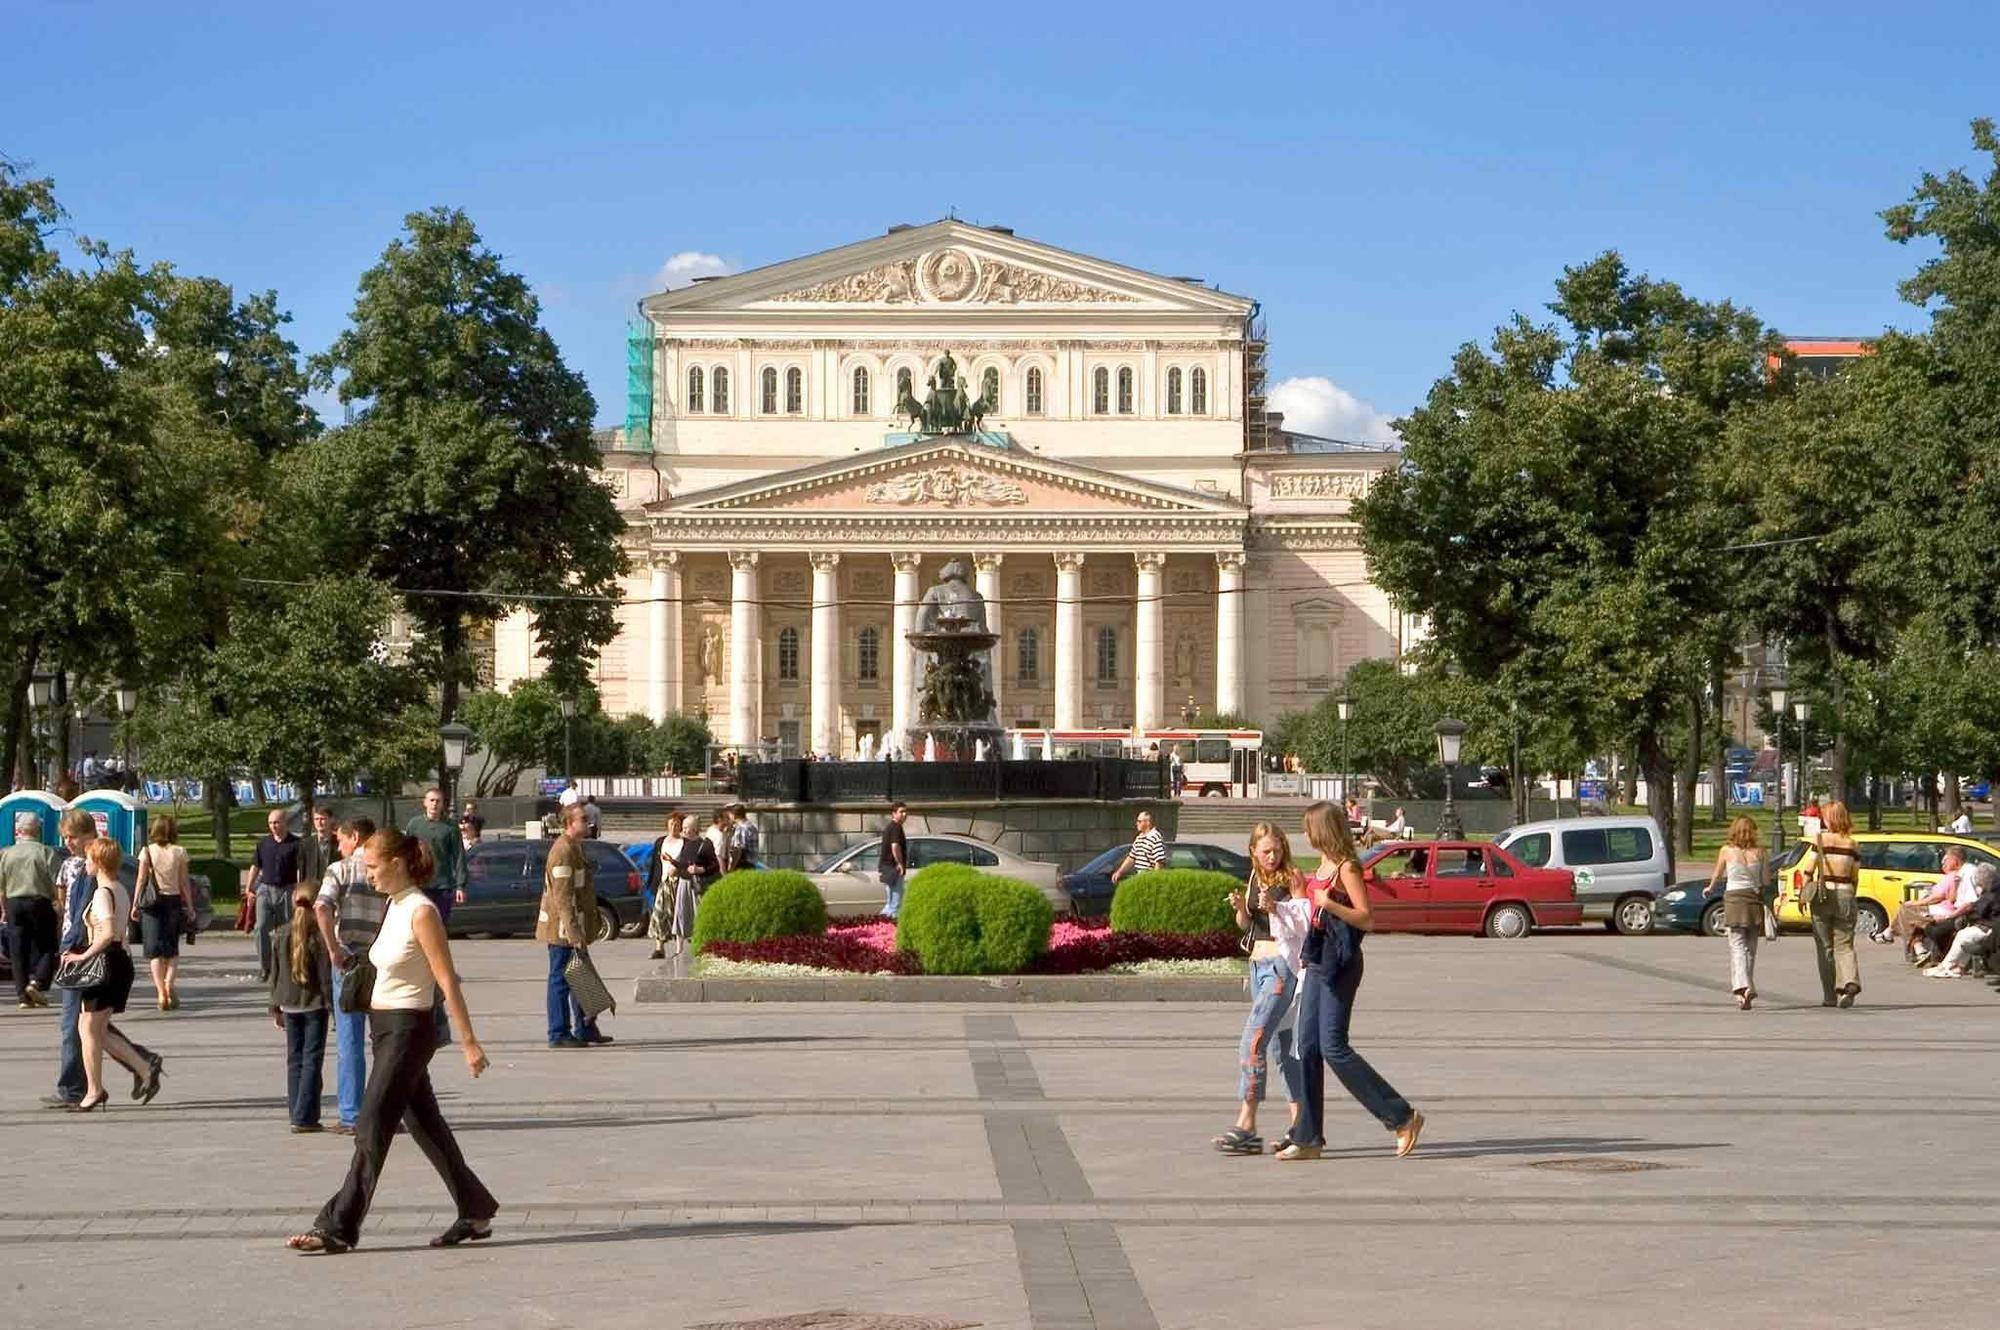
{"points": [[1327, 998], [1274, 914]]}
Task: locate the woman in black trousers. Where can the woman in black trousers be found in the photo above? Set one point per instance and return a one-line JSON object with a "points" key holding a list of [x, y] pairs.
{"points": [[412, 963]]}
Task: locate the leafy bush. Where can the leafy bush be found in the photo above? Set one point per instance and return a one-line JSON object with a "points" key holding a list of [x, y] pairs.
{"points": [[959, 920], [752, 904], [224, 878], [1174, 900]]}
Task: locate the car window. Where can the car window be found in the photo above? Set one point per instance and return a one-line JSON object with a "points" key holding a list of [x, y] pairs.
{"points": [[1913, 856], [1107, 861], [1455, 861], [1872, 853], [1607, 845], [1211, 750], [1225, 861], [1401, 863], [1532, 850], [1185, 856], [1985, 857], [502, 861], [609, 860], [929, 850]]}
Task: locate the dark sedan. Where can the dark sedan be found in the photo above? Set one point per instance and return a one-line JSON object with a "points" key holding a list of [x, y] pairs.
{"points": [[1090, 886], [1691, 906], [503, 891]]}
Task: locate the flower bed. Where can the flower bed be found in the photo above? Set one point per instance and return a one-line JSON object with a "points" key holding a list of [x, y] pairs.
{"points": [[1075, 947]]}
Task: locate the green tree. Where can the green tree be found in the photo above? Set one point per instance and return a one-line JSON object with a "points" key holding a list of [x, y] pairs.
{"points": [[468, 475]]}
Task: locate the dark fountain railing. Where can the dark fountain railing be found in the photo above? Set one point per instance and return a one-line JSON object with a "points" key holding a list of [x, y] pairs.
{"points": [[796, 781]]}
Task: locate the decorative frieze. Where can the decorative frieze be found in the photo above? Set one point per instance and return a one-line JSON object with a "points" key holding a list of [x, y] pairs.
{"points": [[952, 276], [951, 486], [1319, 484]]}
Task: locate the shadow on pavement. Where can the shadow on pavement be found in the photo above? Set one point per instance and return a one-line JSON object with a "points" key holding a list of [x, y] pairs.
{"points": [[1538, 1145]]}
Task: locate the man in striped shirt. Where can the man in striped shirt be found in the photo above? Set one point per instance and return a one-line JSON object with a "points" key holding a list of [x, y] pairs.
{"points": [[350, 913], [1148, 851]]}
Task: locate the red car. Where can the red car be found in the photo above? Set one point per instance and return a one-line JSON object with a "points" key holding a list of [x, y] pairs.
{"points": [[1465, 887]]}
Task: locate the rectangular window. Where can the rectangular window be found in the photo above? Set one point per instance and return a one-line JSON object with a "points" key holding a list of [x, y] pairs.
{"points": [[868, 655], [788, 738], [1034, 393], [1607, 845]]}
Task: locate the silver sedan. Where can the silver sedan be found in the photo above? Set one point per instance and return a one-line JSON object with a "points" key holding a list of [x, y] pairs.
{"points": [[851, 882]]}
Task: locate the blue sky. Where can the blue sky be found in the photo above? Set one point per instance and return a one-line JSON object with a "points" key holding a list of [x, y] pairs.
{"points": [[1389, 180]]}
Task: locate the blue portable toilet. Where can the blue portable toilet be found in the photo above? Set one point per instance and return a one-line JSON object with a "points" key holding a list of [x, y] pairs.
{"points": [[119, 816], [39, 802]]}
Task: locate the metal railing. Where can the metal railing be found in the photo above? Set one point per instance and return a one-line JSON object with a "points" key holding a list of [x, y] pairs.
{"points": [[796, 781]]}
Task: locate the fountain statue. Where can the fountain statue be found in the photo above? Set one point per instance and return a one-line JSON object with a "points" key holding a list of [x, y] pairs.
{"points": [[955, 678]]}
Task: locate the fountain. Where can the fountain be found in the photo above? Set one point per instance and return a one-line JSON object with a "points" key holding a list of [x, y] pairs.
{"points": [[955, 685]]}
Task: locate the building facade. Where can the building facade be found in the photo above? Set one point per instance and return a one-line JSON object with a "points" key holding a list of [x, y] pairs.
{"points": [[1149, 540]]}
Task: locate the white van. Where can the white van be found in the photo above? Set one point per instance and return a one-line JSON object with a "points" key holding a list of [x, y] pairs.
{"points": [[1620, 863]]}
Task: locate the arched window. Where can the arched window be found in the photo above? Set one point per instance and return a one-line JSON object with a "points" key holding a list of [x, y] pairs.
{"points": [[868, 654], [1028, 655], [795, 391], [989, 386], [1107, 655], [1174, 391], [1125, 390], [694, 391], [1100, 391], [788, 655], [767, 391], [1198, 391], [719, 381], [1033, 401], [860, 391]]}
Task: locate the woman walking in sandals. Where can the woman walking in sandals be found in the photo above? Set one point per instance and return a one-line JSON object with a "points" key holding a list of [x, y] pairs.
{"points": [[1739, 865], [1830, 901], [412, 963], [1274, 914], [1332, 957]]}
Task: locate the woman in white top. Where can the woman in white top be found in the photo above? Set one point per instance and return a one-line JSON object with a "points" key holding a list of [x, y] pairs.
{"points": [[105, 919], [1272, 911], [412, 963], [1741, 863], [163, 866]]}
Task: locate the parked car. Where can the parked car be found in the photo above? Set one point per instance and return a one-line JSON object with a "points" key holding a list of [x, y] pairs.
{"points": [[1620, 863], [849, 880], [1896, 866], [1090, 887], [1691, 906], [1465, 887], [503, 891]]}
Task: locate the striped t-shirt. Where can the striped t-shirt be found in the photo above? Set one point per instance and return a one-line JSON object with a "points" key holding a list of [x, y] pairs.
{"points": [[1149, 851]]}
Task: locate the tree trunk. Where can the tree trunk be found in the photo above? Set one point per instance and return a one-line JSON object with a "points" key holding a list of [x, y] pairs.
{"points": [[1684, 827], [1951, 786], [1718, 754], [1659, 768], [20, 737], [1633, 769], [1874, 802], [217, 789]]}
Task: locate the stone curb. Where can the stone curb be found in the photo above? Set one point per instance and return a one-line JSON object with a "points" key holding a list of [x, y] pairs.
{"points": [[660, 985]]}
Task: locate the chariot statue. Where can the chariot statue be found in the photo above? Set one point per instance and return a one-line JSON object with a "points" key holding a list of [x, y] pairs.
{"points": [[950, 407]]}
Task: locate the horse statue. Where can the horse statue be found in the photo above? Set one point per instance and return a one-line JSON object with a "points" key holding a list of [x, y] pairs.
{"points": [[910, 409]]}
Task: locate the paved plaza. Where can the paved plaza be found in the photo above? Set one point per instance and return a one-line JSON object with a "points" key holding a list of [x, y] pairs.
{"points": [[1610, 1142]]}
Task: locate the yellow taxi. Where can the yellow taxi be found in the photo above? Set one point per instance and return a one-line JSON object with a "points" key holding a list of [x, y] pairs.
{"points": [[1896, 866]]}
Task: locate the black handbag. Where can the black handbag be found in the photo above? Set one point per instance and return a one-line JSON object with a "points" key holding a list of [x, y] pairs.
{"points": [[357, 985], [81, 974]]}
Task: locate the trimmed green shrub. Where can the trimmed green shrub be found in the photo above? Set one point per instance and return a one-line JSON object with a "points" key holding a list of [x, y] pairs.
{"points": [[1174, 900], [959, 920], [224, 878], [752, 904]]}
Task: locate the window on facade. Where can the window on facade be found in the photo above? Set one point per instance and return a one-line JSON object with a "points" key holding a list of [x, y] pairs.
{"points": [[788, 655], [767, 392], [860, 391], [1028, 656], [1034, 394], [1315, 654], [719, 382], [694, 391], [1107, 655], [1125, 391], [868, 655], [1198, 391], [1100, 392], [1173, 392], [795, 391], [989, 386]]}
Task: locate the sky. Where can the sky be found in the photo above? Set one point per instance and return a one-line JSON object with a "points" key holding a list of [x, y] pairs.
{"points": [[1390, 181]]}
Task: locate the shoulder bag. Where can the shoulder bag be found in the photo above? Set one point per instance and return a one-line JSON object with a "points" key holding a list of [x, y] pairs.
{"points": [[87, 973], [357, 985], [1815, 889], [587, 986]]}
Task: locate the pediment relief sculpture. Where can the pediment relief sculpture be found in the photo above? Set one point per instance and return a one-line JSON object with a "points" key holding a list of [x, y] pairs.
{"points": [[953, 276], [949, 486]]}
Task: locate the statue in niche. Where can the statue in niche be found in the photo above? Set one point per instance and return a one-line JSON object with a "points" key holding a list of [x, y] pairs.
{"points": [[1184, 656], [710, 657]]}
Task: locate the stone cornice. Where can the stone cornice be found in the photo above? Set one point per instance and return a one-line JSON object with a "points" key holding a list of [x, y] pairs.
{"points": [[955, 531], [1303, 533], [928, 346]]}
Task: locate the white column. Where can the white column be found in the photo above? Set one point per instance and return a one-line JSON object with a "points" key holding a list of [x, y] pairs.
{"points": [[745, 648], [1069, 640], [1229, 633], [902, 660], [986, 581], [1146, 681], [826, 654], [663, 635]]}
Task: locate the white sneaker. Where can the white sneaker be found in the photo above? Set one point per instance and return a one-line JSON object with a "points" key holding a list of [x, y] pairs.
{"points": [[1944, 972]]}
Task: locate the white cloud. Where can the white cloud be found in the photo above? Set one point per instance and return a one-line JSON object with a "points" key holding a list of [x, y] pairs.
{"points": [[689, 264], [1316, 405]]}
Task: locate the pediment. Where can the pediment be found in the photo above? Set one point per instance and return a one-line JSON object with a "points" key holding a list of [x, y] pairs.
{"points": [[944, 265], [948, 476]]}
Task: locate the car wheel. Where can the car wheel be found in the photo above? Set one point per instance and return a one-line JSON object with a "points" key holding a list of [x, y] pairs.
{"points": [[1711, 921], [1211, 791], [607, 922], [1869, 921], [1633, 916], [1509, 921]]}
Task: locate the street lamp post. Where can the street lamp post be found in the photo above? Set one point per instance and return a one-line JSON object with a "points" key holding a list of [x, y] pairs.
{"points": [[569, 714], [41, 690], [1802, 712], [1450, 736], [1779, 696], [1345, 706], [454, 737], [128, 702]]}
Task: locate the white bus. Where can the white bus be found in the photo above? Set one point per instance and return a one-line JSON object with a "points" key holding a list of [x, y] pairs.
{"points": [[1213, 762]]}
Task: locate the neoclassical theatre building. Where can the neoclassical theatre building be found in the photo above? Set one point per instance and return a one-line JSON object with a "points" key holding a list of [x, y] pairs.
{"points": [[1149, 539]]}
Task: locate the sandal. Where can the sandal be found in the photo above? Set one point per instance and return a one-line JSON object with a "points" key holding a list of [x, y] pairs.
{"points": [[318, 1242], [1237, 1141], [464, 1230]]}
